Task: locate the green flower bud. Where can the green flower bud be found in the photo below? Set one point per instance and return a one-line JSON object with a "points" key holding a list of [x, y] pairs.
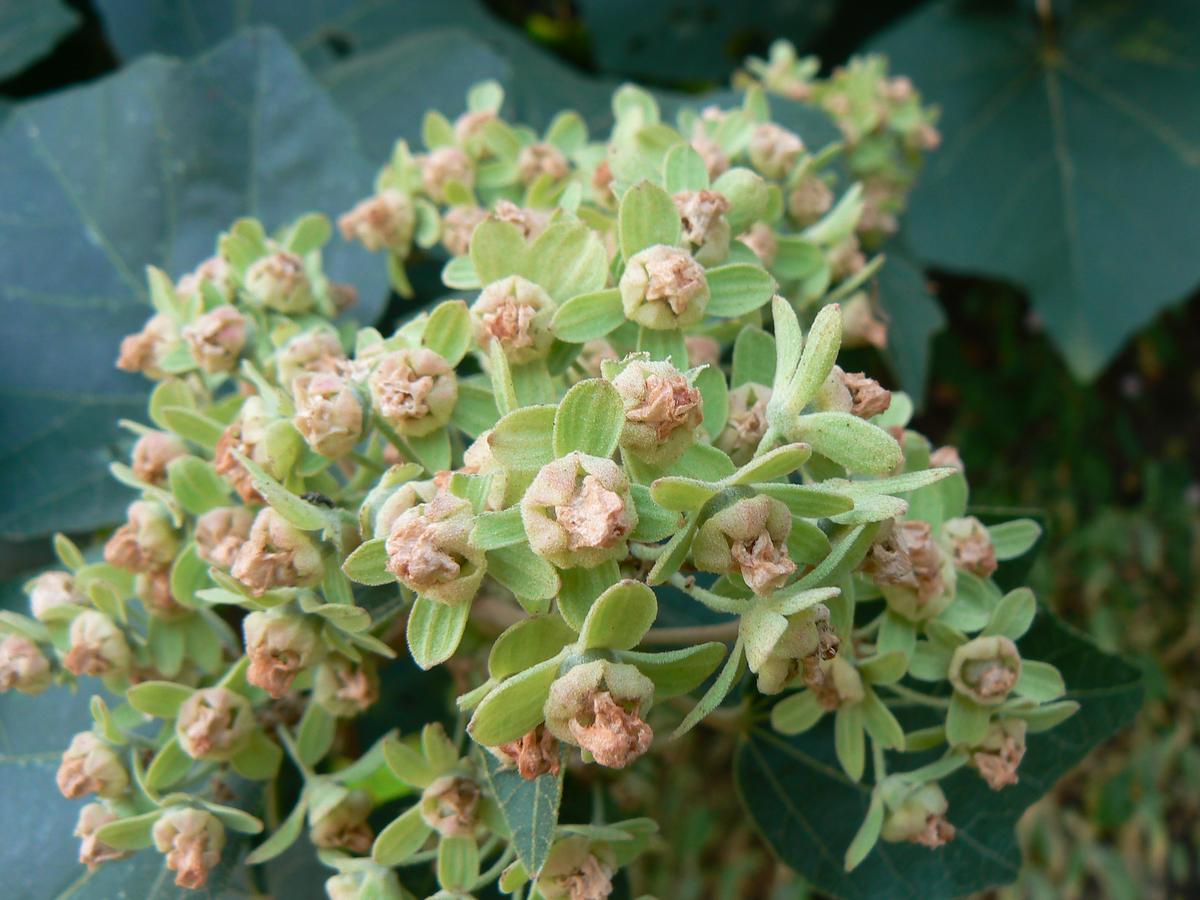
{"points": [[280, 645], [664, 288], [214, 724], [998, 755], [971, 545], [810, 199], [450, 806], [216, 339], [808, 640], [343, 825], [915, 577], [414, 391], [985, 669], [577, 869], [329, 414], [277, 554], [147, 542], [50, 590], [516, 313], [747, 537], [662, 410], [429, 550], [344, 688], [315, 350], [917, 813], [747, 422], [144, 351], [598, 706], [541, 159], [90, 766], [192, 841], [774, 150], [23, 666], [279, 282], [92, 852], [579, 512], [97, 646], [444, 165], [153, 452], [382, 222], [705, 227], [220, 534]]}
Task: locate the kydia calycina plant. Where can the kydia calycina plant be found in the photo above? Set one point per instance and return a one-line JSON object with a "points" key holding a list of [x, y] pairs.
{"points": [[634, 385]]}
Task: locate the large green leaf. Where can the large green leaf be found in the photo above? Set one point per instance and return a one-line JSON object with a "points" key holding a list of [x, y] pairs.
{"points": [[29, 29], [915, 318], [144, 167], [529, 807], [1071, 160], [808, 810]]}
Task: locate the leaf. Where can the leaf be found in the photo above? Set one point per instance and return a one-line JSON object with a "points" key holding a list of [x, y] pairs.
{"points": [[684, 170], [716, 693], [589, 316], [196, 485], [1015, 538], [515, 707], [530, 808], [286, 835], [676, 672], [654, 522], [914, 317], [29, 29], [808, 811], [775, 464], [133, 833], [527, 643], [807, 501], [568, 259], [738, 288], [682, 494], [753, 358], [368, 563], [494, 530], [523, 572], [403, 837], [1034, 138], [849, 441], [457, 862], [519, 438], [315, 735], [581, 587], [647, 217], [589, 419], [619, 618], [172, 166], [449, 332], [434, 630], [158, 698], [295, 509]]}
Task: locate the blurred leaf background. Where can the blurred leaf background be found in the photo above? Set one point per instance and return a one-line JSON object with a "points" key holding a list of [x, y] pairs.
{"points": [[1050, 243]]}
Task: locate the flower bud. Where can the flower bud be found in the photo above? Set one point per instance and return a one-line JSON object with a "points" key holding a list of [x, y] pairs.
{"points": [[517, 314], [97, 646], [414, 391], [535, 754], [192, 841], [23, 666], [92, 852], [881, 201], [662, 410], [710, 152], [90, 766], [867, 398], [458, 225], [344, 825], [345, 689], [748, 536], [374, 883], [154, 590], [747, 422], [915, 577], [576, 869], [1000, 752], [279, 282], [541, 159], [220, 534], [277, 554], [810, 199], [845, 258], [946, 456], [382, 222], [985, 669], [216, 339], [388, 499], [280, 645], [760, 238], [51, 590], [328, 413], [664, 288], [470, 125], [919, 816], [602, 181], [705, 227], [808, 640], [450, 806], [247, 434], [972, 545], [861, 326], [147, 542], [153, 452], [215, 271], [442, 166], [315, 350], [774, 150], [480, 459], [598, 706], [429, 550], [214, 723], [144, 351], [531, 222], [578, 511]]}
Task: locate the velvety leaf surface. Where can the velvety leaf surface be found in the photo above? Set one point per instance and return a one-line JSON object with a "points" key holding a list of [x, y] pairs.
{"points": [[529, 807], [808, 810], [915, 318], [143, 167], [1071, 160], [29, 29]]}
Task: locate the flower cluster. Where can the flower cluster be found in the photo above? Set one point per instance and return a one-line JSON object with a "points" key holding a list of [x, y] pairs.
{"points": [[619, 402]]}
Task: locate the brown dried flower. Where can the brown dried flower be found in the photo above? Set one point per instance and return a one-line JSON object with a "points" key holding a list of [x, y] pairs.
{"points": [[90, 766], [414, 391], [535, 754], [192, 840], [220, 534], [276, 554], [382, 222], [450, 805], [92, 852], [664, 288], [216, 339]]}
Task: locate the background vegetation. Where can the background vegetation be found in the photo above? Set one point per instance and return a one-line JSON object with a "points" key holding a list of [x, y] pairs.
{"points": [[1055, 229]]}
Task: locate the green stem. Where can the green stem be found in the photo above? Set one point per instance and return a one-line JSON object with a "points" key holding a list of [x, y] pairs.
{"points": [[768, 441], [366, 462], [649, 552], [294, 753], [734, 605], [696, 634], [916, 696], [878, 760], [497, 868]]}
